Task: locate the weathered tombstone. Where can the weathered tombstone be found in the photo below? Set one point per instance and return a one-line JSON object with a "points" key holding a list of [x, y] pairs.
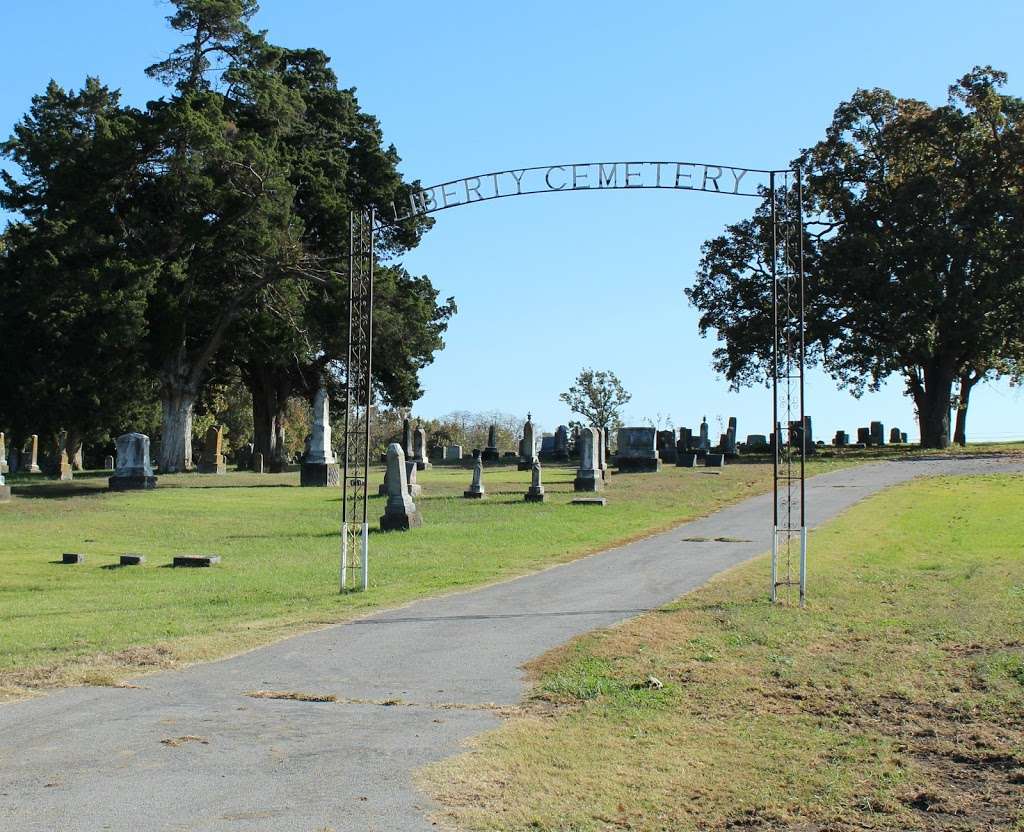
{"points": [[687, 460], [257, 463], [841, 439], [320, 468], [704, 443], [729, 440], [800, 437], [213, 459], [588, 475], [476, 486], [4, 467], [714, 460], [636, 451], [547, 447], [134, 471], [757, 443], [415, 489], [683, 443], [903, 437], [602, 451], [864, 437], [527, 447], [31, 466], [895, 437], [407, 441], [535, 493], [562, 444], [243, 460], [78, 463], [64, 473], [400, 513], [453, 453], [382, 489], [419, 446], [108, 463], [666, 445], [491, 453], [878, 434]]}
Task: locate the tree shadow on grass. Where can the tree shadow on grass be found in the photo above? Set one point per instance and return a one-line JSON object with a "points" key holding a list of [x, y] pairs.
{"points": [[54, 491]]}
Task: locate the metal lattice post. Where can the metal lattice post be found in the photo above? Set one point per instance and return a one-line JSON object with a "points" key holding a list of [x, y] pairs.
{"points": [[355, 530], [789, 530]]}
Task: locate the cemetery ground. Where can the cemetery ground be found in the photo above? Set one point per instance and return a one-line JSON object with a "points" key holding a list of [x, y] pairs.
{"points": [[893, 702], [98, 623]]}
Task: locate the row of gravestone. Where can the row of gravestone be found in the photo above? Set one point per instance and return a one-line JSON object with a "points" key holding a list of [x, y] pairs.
{"points": [[872, 436], [637, 453]]}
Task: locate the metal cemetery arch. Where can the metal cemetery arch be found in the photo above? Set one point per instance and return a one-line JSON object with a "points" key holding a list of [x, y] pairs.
{"points": [[789, 525]]}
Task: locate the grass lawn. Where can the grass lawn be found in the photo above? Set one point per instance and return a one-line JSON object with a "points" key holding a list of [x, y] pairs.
{"points": [[98, 623], [894, 701]]}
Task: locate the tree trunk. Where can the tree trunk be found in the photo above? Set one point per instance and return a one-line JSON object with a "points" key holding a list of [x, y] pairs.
{"points": [[933, 401], [960, 431], [270, 387], [177, 402]]}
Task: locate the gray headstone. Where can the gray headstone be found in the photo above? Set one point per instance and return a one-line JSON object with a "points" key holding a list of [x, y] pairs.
{"points": [[400, 513], [4, 467], [703, 443], [476, 486], [453, 453], [134, 469], [636, 450], [407, 441], [895, 436], [588, 475], [491, 453], [528, 446], [878, 434], [415, 489], [562, 443], [535, 493], [320, 450], [864, 436]]}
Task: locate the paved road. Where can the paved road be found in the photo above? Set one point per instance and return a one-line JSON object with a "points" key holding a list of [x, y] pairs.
{"points": [[90, 759]]}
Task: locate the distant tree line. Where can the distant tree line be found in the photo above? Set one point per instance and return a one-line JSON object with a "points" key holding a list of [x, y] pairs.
{"points": [[914, 253], [162, 256]]}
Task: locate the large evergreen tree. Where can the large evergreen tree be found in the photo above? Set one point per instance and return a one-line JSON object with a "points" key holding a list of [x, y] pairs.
{"points": [[72, 302]]}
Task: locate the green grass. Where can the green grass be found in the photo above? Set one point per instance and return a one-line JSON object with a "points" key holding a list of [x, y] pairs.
{"points": [[279, 545], [892, 702]]}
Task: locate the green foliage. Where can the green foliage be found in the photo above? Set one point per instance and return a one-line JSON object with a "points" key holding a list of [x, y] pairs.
{"points": [[72, 304], [598, 396], [914, 264]]}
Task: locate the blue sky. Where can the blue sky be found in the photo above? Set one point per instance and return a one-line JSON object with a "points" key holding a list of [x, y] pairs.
{"points": [[548, 284]]}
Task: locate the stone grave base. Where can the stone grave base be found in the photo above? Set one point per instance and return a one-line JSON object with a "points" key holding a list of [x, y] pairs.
{"points": [[524, 466], [714, 461], [490, 455], [649, 465], [590, 501], [423, 465], [319, 474], [195, 561], [587, 484], [214, 468], [382, 490], [415, 490], [534, 497], [400, 522], [473, 495], [137, 482], [5, 493], [687, 461]]}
